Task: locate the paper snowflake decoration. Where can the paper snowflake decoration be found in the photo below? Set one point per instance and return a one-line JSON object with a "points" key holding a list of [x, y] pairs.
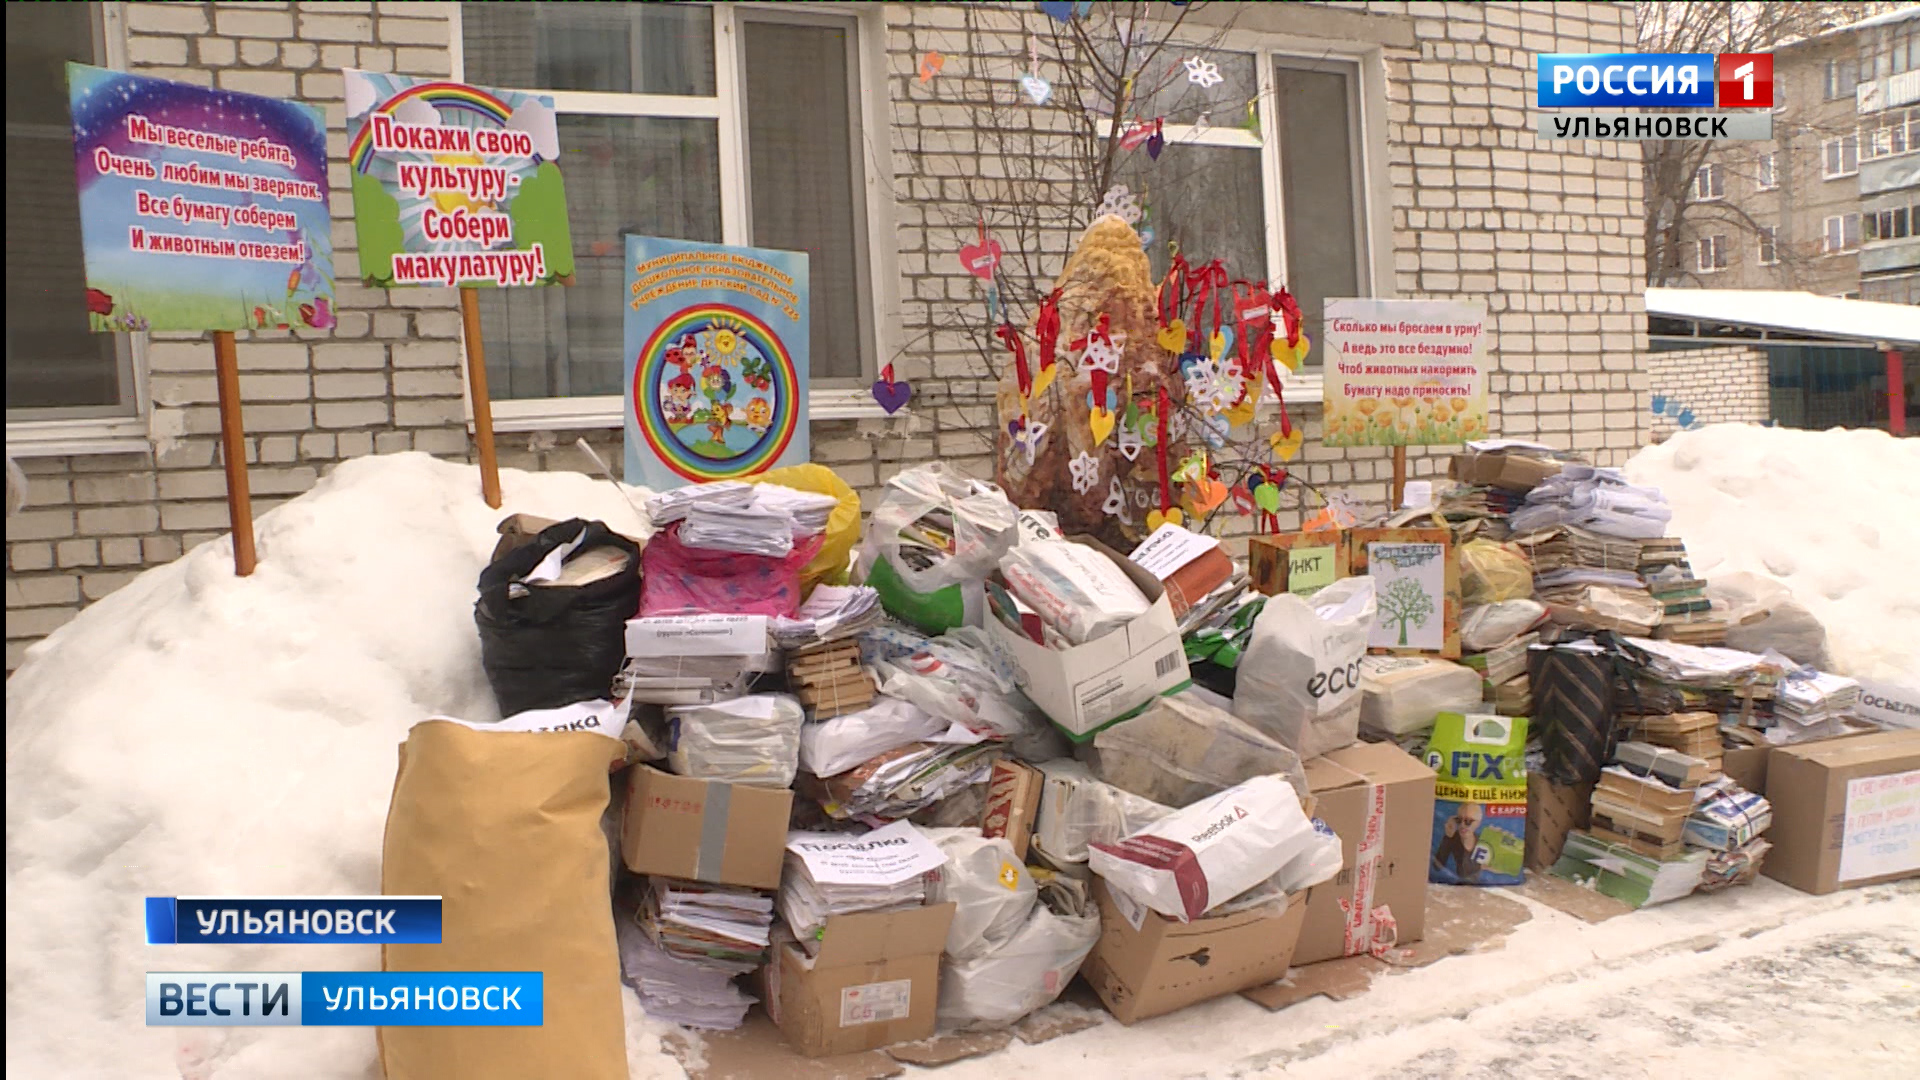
{"points": [[1116, 504], [1028, 437], [1102, 353], [1130, 443], [1203, 73], [1122, 203], [1209, 387], [1085, 471]]}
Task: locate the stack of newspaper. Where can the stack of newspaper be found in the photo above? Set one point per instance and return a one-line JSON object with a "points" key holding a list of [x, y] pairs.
{"points": [[745, 530], [831, 874], [832, 612], [670, 506], [1812, 705], [809, 510]]}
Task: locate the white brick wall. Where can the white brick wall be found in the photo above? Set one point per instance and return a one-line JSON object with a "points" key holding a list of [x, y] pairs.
{"points": [[1548, 233], [1719, 384]]}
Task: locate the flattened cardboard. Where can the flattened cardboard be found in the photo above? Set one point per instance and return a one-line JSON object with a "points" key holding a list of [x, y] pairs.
{"points": [[757, 1050], [1587, 905], [1807, 786], [1357, 541], [1339, 782], [1337, 980], [1509, 472], [1167, 965], [1269, 564], [893, 955], [1553, 811], [1087, 687], [949, 1047], [1077, 1010], [1013, 802], [704, 830]]}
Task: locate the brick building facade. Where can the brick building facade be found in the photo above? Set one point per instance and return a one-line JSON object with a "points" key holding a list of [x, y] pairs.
{"points": [[1716, 385], [1453, 197]]}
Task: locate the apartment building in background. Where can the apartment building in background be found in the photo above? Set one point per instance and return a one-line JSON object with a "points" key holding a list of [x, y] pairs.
{"points": [[1832, 204]]}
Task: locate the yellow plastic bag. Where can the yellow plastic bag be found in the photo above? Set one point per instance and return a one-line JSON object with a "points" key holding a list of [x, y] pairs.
{"points": [[829, 566], [1491, 572]]}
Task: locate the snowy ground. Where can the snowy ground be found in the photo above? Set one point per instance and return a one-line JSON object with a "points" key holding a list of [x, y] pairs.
{"points": [[195, 733]]}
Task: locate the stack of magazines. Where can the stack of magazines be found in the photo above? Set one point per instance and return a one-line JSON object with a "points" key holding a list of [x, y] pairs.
{"points": [[831, 874], [830, 613], [683, 944]]}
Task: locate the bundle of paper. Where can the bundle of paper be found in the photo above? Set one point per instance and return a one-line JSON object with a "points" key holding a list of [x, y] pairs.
{"points": [[1597, 500], [1693, 733], [831, 613], [1697, 666], [1804, 697], [1726, 816], [903, 780], [743, 530], [671, 506], [718, 926], [829, 679], [840, 873], [687, 680], [695, 993], [1513, 697], [1567, 547], [1668, 765], [1502, 664], [1625, 874], [1602, 607], [809, 510], [1700, 627], [1740, 866], [1640, 812]]}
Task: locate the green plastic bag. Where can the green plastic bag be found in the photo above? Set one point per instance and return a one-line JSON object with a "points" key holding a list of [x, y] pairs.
{"points": [[1480, 799]]}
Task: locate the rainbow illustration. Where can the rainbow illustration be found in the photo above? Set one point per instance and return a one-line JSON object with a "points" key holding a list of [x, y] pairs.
{"points": [[440, 95], [650, 368]]}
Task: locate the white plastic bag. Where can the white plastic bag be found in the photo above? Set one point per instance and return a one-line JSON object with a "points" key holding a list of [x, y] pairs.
{"points": [[1025, 973], [831, 747], [1489, 626], [955, 530], [1196, 859], [1077, 809], [991, 891], [1300, 676], [752, 740], [1181, 750], [1076, 590], [1762, 614], [1400, 695]]}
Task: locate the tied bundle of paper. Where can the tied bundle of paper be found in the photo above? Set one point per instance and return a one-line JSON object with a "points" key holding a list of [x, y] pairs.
{"points": [[808, 510], [842, 873], [1696, 734], [829, 679], [831, 613], [670, 506], [1727, 817], [697, 993], [1671, 676], [1725, 869], [1643, 813], [903, 780], [747, 740], [1809, 705], [717, 926], [1596, 500], [1629, 876], [692, 659]]}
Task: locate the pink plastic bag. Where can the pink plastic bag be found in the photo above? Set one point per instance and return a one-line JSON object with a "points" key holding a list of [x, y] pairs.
{"points": [[679, 580]]}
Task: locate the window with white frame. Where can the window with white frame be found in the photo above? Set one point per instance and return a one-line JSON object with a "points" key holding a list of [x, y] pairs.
{"points": [[57, 368], [1769, 245], [724, 123], [1709, 183], [1711, 255], [1842, 77], [1841, 232], [1894, 224], [1840, 157], [1893, 133], [1282, 200], [1766, 171]]}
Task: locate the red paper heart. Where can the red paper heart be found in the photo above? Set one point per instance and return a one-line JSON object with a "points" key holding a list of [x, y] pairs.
{"points": [[983, 258]]}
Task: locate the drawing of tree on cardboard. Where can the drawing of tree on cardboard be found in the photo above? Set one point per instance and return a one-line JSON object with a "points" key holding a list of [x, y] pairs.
{"points": [[1405, 603]]}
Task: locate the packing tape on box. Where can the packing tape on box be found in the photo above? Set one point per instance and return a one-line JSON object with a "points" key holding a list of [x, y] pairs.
{"points": [[1371, 930], [713, 833]]}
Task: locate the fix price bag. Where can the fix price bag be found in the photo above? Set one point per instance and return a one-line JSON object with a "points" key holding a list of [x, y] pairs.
{"points": [[1480, 799], [1299, 680]]}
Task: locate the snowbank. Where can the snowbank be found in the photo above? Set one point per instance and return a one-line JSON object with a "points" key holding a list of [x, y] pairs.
{"points": [[1834, 515], [197, 733]]}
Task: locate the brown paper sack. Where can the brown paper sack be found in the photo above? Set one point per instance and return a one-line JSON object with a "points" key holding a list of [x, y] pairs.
{"points": [[505, 828]]}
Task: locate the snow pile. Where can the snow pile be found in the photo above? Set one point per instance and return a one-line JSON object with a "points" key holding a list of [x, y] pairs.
{"points": [[1834, 515], [201, 734]]}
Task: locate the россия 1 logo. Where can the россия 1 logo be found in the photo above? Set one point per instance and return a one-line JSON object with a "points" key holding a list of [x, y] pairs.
{"points": [[1655, 80]]}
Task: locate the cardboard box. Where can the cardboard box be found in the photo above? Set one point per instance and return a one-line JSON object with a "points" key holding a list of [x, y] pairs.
{"points": [[1343, 782], [704, 830], [1747, 766], [1320, 557], [1509, 472], [1013, 802], [1846, 812], [873, 982], [1086, 687], [1161, 965]]}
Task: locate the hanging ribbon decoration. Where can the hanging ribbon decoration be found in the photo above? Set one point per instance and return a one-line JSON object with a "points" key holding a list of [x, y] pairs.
{"points": [[1162, 408], [1011, 338], [1209, 283], [1172, 292], [1046, 328]]}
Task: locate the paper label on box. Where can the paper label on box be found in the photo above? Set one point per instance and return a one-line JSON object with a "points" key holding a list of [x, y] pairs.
{"points": [[1309, 569], [882, 857], [1130, 909], [1170, 548], [697, 635], [1882, 829], [876, 1003]]}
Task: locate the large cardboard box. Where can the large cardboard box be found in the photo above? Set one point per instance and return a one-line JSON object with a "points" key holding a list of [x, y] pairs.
{"points": [[1846, 812], [1510, 472], [1159, 965], [1747, 766], [1089, 686], [873, 983], [1353, 786], [704, 830]]}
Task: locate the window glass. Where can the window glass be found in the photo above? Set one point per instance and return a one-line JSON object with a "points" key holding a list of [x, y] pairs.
{"points": [[1318, 189], [1206, 200], [54, 360], [1165, 89], [607, 48]]}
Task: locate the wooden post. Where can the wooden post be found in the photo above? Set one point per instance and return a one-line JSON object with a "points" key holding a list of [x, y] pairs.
{"points": [[482, 404], [1896, 392], [233, 446], [1399, 478]]}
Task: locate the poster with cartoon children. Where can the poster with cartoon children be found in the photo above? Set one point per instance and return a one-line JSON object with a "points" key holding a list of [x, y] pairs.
{"points": [[716, 361]]}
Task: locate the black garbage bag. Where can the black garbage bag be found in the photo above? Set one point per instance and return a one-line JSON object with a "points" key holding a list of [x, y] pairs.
{"points": [[1573, 705], [545, 645]]}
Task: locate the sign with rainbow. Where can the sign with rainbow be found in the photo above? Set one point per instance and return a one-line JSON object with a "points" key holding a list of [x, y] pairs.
{"points": [[716, 361], [455, 185], [199, 209]]}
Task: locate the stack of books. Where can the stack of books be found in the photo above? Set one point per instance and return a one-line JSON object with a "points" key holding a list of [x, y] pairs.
{"points": [[1726, 823], [1669, 766], [1641, 813], [1627, 875], [829, 679], [1696, 734], [1686, 613], [1503, 675]]}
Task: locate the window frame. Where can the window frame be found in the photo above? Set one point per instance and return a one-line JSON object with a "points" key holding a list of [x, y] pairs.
{"points": [[1839, 144], [1717, 243], [95, 429], [1706, 179], [1766, 171], [827, 399], [1768, 244], [1827, 246]]}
